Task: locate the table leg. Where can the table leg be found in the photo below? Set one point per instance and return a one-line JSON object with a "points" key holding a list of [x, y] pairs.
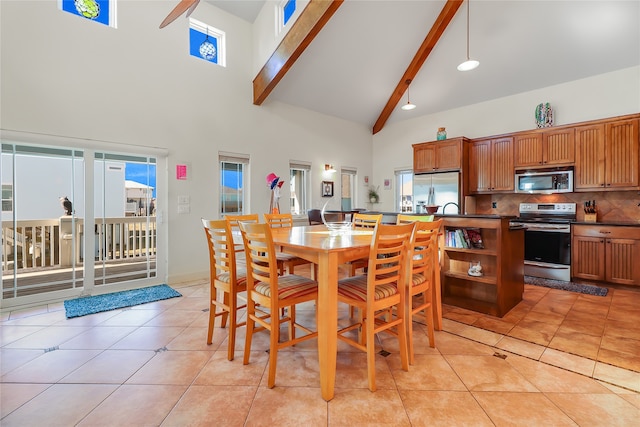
{"points": [[327, 321]]}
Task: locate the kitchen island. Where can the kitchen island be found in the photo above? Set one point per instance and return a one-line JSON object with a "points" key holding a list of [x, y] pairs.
{"points": [[485, 240]]}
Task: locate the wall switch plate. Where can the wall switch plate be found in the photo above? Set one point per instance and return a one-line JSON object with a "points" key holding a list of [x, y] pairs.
{"points": [[183, 200], [184, 209]]}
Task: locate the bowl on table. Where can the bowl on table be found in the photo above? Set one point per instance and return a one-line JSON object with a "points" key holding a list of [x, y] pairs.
{"points": [[432, 209], [338, 227]]}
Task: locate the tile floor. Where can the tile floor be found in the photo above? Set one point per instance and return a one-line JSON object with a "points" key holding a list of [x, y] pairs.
{"points": [[558, 358]]}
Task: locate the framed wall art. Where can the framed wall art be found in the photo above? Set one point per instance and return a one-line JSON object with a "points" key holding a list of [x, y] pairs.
{"points": [[327, 188]]}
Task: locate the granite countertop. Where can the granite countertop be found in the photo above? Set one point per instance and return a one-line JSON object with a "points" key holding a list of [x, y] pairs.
{"points": [[614, 223]]}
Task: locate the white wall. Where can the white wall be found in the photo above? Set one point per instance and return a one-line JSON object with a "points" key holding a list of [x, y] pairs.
{"points": [[137, 85], [607, 95], [265, 31]]}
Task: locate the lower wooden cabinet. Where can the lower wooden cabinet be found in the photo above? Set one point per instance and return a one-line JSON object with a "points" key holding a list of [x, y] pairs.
{"points": [[606, 253]]}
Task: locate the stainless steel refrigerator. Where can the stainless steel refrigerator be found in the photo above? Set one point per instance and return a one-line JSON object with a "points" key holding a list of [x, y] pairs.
{"points": [[437, 189]]}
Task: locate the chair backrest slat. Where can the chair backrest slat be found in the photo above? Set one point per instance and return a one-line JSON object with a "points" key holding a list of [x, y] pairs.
{"points": [[222, 257], [388, 254], [283, 220], [361, 220]]}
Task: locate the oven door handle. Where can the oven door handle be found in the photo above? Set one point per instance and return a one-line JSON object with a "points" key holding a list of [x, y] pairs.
{"points": [[549, 228], [549, 266]]}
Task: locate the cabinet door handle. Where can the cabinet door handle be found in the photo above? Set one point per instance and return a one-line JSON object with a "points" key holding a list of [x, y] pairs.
{"points": [[604, 232]]}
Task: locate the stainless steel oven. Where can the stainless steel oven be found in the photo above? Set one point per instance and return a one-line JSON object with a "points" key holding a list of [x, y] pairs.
{"points": [[547, 239]]}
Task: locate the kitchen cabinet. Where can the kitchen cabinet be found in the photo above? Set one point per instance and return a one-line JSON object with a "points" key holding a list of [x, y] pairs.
{"points": [[607, 156], [606, 253], [501, 256], [547, 148], [491, 165], [438, 156]]}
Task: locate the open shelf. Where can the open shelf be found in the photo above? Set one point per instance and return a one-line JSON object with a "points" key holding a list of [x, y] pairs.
{"points": [[501, 286]]}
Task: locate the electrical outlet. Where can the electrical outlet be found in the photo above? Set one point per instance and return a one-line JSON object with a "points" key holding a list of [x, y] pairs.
{"points": [[494, 205]]}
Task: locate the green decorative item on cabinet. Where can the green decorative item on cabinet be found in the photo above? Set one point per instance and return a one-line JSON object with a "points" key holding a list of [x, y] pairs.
{"points": [[442, 134]]}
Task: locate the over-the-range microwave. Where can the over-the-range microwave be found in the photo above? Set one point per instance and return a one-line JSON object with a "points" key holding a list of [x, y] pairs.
{"points": [[544, 181]]}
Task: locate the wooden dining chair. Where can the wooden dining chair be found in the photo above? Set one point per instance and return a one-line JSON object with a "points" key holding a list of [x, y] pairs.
{"points": [[234, 221], [286, 262], [403, 218], [422, 260], [226, 280], [268, 294], [362, 221], [378, 292]]}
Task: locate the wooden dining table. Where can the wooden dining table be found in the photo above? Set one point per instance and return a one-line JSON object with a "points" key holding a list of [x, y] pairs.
{"points": [[318, 245]]}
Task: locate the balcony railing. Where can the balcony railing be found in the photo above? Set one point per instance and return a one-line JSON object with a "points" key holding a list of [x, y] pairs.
{"points": [[59, 242]]}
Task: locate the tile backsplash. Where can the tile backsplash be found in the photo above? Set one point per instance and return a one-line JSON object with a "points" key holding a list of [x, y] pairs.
{"points": [[613, 206]]}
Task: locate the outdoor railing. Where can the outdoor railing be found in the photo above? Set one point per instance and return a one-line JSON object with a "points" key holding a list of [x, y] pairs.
{"points": [[52, 242]]}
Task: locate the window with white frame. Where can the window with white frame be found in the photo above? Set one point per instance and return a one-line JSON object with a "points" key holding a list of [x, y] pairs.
{"points": [[7, 197], [207, 42], [102, 11], [347, 188], [300, 187], [284, 12], [234, 170], [404, 190]]}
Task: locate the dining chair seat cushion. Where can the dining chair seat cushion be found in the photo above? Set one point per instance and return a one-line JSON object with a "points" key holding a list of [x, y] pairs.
{"points": [[289, 286], [241, 277], [355, 288], [418, 279]]}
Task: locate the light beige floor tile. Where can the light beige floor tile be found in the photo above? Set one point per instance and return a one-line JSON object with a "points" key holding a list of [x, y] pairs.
{"points": [[171, 367], [617, 376], [549, 378], [443, 408], [358, 407], [568, 361], [89, 319], [135, 405], [494, 324], [480, 335], [212, 406], [12, 333], [60, 405], [220, 371], [12, 358], [351, 371], [634, 399], [521, 409], [148, 338], [488, 373], [427, 373], [535, 331], [93, 338], [110, 367], [49, 337], [44, 319], [12, 396], [596, 409], [580, 344], [195, 338], [175, 318], [520, 347], [448, 343], [129, 317], [288, 406], [50, 367], [295, 369]]}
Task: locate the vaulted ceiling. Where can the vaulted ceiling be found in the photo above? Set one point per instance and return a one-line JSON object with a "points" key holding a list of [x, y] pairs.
{"points": [[352, 67]]}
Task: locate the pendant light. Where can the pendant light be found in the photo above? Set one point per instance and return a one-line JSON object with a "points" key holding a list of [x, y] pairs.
{"points": [[408, 106], [469, 64]]}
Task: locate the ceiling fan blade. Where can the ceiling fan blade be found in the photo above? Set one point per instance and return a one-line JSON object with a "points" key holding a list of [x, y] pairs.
{"points": [[181, 8], [192, 8]]}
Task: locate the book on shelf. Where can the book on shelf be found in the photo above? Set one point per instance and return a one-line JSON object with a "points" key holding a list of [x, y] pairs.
{"points": [[464, 238], [475, 238]]}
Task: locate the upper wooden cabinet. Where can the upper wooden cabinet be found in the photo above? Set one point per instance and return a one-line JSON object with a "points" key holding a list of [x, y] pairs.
{"points": [[607, 156], [491, 165], [438, 156], [547, 148]]}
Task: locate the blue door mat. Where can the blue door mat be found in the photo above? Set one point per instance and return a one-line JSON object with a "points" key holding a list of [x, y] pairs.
{"points": [[95, 304]]}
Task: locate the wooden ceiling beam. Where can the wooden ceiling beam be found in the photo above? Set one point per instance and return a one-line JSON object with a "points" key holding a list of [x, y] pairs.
{"points": [[302, 32], [446, 15]]}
